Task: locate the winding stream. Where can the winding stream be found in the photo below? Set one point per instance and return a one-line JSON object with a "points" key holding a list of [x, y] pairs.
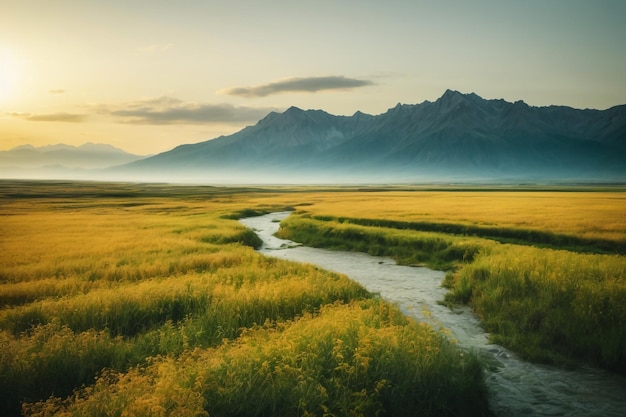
{"points": [[517, 388]]}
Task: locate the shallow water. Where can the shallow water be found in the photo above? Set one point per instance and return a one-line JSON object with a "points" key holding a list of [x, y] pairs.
{"points": [[517, 388]]}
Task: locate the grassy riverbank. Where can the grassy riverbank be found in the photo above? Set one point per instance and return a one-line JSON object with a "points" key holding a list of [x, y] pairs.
{"points": [[437, 250], [549, 305], [562, 216], [126, 299]]}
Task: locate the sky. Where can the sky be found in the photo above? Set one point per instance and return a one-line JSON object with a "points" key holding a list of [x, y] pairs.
{"points": [[146, 76]]}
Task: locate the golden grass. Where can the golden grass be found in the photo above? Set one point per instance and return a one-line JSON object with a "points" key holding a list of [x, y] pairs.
{"points": [[158, 285], [356, 359], [155, 291], [550, 305], [584, 214]]}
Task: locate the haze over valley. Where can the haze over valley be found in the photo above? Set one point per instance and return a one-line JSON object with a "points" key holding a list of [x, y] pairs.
{"points": [[61, 160], [459, 138]]}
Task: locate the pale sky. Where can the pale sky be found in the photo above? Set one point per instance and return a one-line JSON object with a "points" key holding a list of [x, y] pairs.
{"points": [[149, 75]]}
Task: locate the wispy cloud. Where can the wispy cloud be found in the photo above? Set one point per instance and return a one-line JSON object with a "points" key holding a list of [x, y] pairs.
{"points": [[158, 111], [298, 85], [57, 91], [170, 110], [51, 117]]}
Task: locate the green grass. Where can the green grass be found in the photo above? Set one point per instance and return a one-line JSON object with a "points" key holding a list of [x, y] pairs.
{"points": [[549, 305], [516, 235], [407, 247]]}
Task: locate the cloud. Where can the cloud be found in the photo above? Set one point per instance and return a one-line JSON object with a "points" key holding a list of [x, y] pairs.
{"points": [[158, 111], [51, 117], [19, 114], [298, 84], [57, 91], [170, 110]]}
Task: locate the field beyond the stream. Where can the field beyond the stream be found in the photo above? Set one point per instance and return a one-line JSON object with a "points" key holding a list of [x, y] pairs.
{"points": [[149, 299]]}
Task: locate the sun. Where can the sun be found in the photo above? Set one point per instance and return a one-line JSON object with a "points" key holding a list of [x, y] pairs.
{"points": [[9, 74]]}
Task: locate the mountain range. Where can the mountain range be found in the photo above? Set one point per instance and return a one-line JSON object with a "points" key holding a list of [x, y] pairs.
{"points": [[457, 137], [61, 159]]}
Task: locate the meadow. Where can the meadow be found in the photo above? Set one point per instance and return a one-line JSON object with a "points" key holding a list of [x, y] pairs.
{"points": [[126, 299], [149, 299], [544, 268], [582, 219]]}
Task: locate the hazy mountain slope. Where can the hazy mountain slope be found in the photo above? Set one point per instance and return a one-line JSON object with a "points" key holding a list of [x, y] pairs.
{"points": [[86, 156], [466, 134], [457, 136], [286, 139]]}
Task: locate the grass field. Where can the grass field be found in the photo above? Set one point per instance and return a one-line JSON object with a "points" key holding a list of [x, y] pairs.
{"points": [[582, 219], [148, 299], [505, 251], [548, 305], [125, 299]]}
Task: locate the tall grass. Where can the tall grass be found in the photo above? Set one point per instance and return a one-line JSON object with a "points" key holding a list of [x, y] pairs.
{"points": [[525, 236], [250, 292], [549, 305], [127, 299], [127, 324], [51, 359], [406, 246], [144, 301], [358, 359], [588, 215]]}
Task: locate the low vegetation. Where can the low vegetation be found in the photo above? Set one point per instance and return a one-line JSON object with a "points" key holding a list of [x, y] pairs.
{"points": [[361, 358], [549, 305], [552, 306], [436, 250], [130, 299], [119, 299], [584, 219]]}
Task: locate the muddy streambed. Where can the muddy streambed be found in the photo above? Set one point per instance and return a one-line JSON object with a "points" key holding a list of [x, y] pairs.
{"points": [[517, 388]]}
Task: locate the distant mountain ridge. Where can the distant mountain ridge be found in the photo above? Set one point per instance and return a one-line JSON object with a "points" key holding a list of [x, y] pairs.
{"points": [[459, 136], [62, 158], [85, 147]]}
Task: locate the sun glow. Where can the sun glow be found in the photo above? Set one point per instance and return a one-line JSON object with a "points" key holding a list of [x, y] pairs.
{"points": [[9, 74]]}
